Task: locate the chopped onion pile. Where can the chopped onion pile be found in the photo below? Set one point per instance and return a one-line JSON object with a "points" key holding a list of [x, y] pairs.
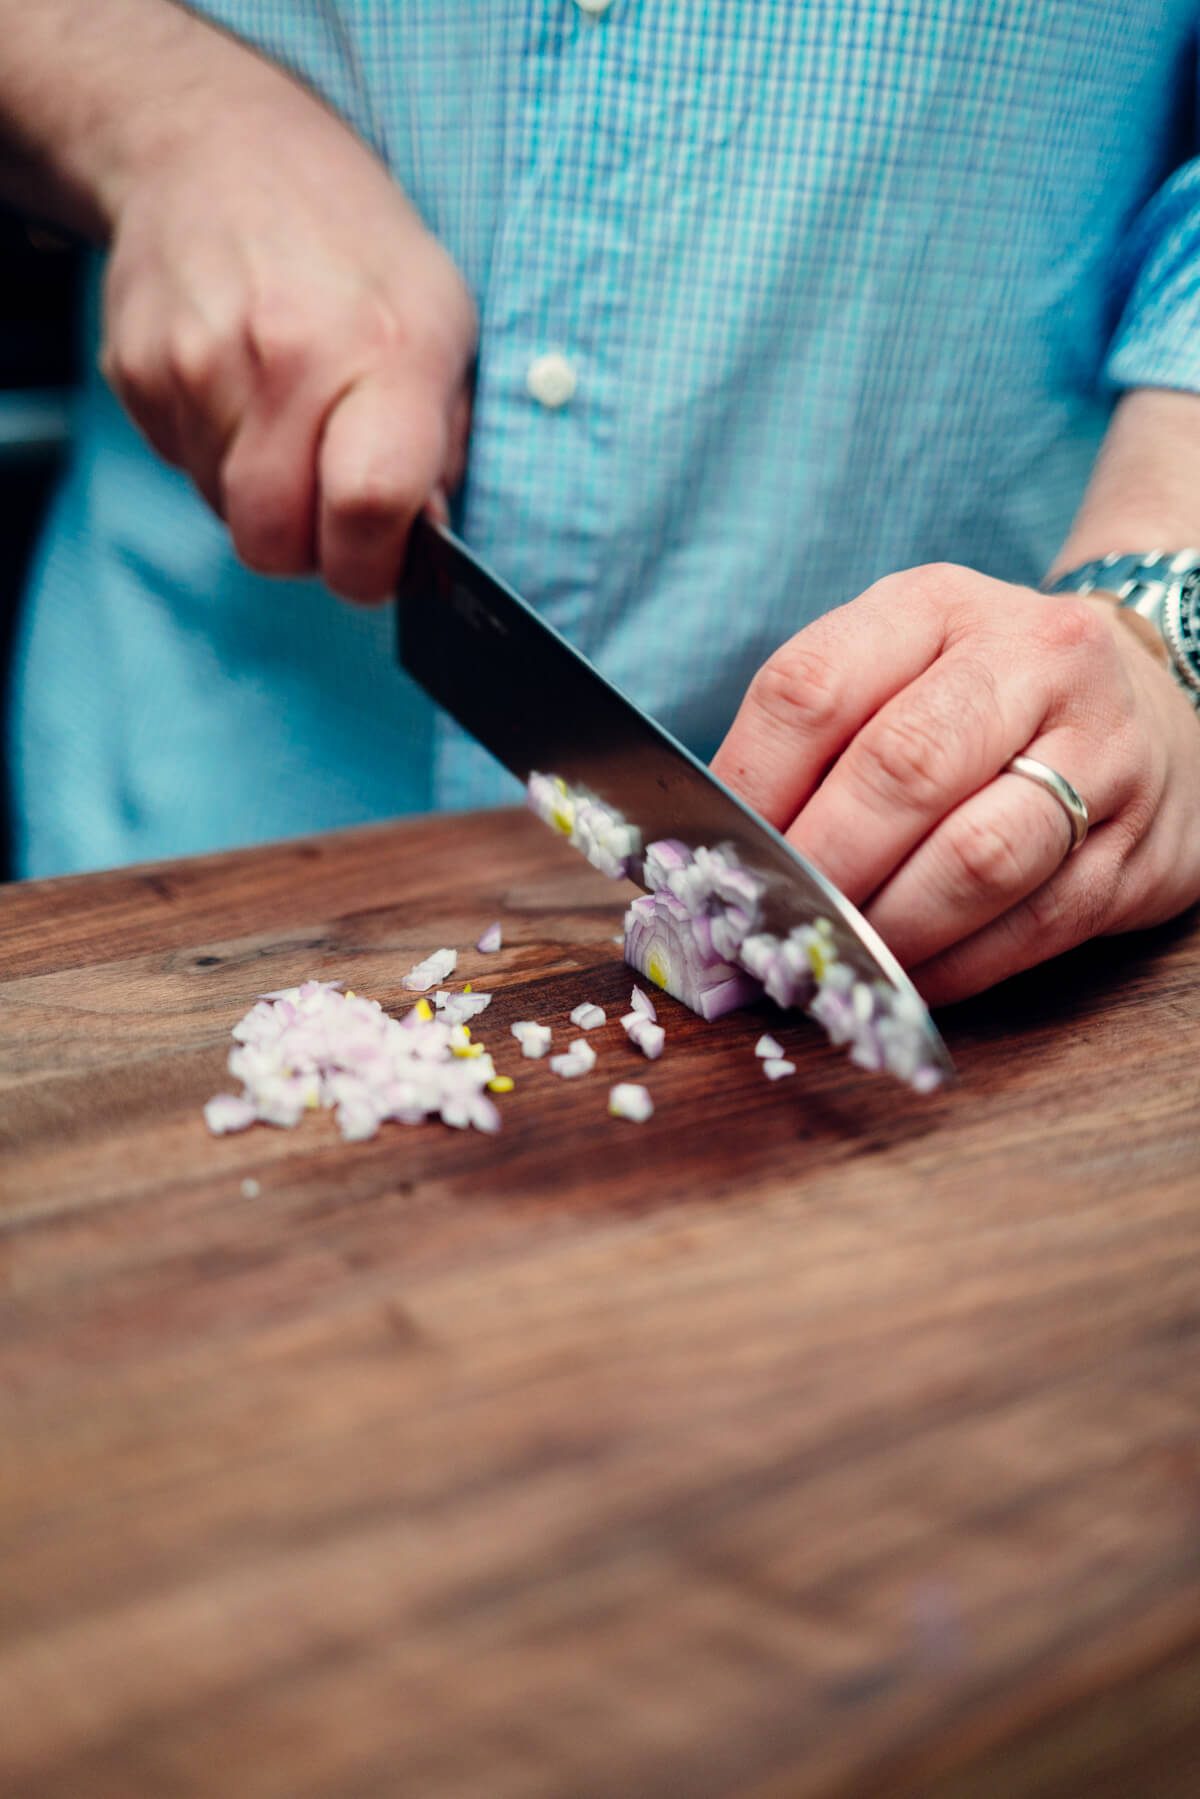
{"points": [[586, 822], [628, 1100], [438, 967], [314, 1046]]}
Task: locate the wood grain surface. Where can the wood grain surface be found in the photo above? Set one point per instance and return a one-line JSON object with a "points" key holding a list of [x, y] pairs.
{"points": [[809, 1439]]}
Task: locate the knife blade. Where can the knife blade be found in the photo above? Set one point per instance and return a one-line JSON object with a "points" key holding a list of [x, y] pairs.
{"points": [[530, 698]]}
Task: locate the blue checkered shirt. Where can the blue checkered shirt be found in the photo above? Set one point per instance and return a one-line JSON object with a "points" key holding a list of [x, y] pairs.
{"points": [[844, 286]]}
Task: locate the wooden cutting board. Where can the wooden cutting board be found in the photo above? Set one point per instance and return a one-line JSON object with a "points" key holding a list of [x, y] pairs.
{"points": [[809, 1439]]}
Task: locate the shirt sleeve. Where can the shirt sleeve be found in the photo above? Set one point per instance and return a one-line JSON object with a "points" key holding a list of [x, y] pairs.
{"points": [[1157, 341]]}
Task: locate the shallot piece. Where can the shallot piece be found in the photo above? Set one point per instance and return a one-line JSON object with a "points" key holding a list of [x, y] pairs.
{"points": [[293, 993], [460, 1008], [533, 1038], [662, 944], [641, 1002], [229, 1112], [775, 1067], [589, 1017], [579, 1058], [628, 1100], [663, 859], [644, 1034], [435, 968], [585, 821], [317, 1047], [491, 940], [767, 1046]]}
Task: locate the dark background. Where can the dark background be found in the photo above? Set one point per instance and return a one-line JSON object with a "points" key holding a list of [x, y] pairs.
{"points": [[39, 289]]}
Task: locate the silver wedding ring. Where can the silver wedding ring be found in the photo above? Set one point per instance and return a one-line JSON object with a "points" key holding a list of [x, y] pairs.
{"points": [[1072, 802]]}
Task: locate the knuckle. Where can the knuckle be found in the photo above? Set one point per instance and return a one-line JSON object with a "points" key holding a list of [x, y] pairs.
{"points": [[377, 325], [193, 360], [1067, 626], [279, 337], [1067, 911], [1046, 912], [989, 862], [1131, 824], [133, 369], [905, 757], [1135, 890], [931, 583], [798, 690], [371, 498]]}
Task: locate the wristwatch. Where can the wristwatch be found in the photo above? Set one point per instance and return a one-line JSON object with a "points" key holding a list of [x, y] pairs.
{"points": [[1161, 587]]}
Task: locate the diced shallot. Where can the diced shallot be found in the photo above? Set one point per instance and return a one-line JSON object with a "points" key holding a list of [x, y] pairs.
{"points": [[705, 891], [579, 1058], [641, 1002], [775, 1067], [307, 991], [591, 826], [628, 1100], [533, 1038], [662, 944], [460, 1008], [490, 940], [437, 967], [767, 1046], [229, 1112], [697, 933], [644, 1034], [589, 1017], [316, 1046]]}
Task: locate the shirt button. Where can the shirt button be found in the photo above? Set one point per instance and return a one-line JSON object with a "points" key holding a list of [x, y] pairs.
{"points": [[551, 380], [594, 8]]}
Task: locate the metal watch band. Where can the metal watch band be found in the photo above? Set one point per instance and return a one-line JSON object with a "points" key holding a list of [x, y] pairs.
{"points": [[1131, 577], [1141, 582]]}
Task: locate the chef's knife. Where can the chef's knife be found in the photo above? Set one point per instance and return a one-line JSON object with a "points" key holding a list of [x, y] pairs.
{"points": [[531, 699]]}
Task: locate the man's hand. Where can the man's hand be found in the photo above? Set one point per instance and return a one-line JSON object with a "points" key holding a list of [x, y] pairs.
{"points": [[278, 320], [877, 739], [281, 325]]}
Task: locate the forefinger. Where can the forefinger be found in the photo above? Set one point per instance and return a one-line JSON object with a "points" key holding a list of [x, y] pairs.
{"points": [[384, 452], [813, 696]]}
